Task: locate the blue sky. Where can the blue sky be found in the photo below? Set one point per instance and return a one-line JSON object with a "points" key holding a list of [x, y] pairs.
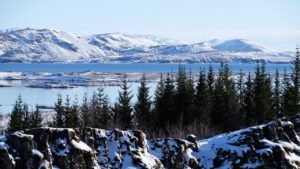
{"points": [[274, 23]]}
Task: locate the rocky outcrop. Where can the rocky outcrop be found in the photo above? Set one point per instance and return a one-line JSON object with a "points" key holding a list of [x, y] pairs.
{"points": [[273, 145], [47, 148]]}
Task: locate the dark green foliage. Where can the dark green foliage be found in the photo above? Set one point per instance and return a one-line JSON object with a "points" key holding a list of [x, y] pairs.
{"points": [[143, 105], [17, 116], [94, 111], [183, 97], [59, 118], [36, 118], [291, 95], [201, 100], [287, 95], [225, 112], [103, 116], [74, 113], [210, 86], [210, 80], [168, 116], [158, 110], [68, 112], [21, 118], [85, 114], [277, 95], [263, 95], [250, 118], [190, 94], [241, 95], [123, 108], [99, 107]]}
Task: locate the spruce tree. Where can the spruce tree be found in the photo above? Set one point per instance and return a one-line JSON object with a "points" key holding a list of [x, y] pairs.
{"points": [[250, 118], [59, 116], [287, 95], [74, 113], [143, 104], [183, 97], [225, 112], [123, 106], [16, 117], [158, 102], [26, 117], [211, 86], [201, 103], [241, 95], [36, 118], [168, 101], [102, 114], [262, 95], [68, 112], [210, 79], [291, 92], [94, 111], [85, 115], [277, 95], [190, 94], [106, 113], [240, 88]]}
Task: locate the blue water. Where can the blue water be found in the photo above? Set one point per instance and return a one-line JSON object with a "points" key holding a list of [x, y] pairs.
{"points": [[50, 67], [47, 97]]}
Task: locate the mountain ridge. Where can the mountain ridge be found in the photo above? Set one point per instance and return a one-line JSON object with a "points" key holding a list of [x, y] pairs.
{"points": [[45, 45]]}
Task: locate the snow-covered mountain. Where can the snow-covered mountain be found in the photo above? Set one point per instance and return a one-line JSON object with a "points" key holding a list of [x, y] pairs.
{"points": [[45, 45]]}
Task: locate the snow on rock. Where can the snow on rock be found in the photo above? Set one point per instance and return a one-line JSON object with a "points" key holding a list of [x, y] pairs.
{"points": [[272, 145]]}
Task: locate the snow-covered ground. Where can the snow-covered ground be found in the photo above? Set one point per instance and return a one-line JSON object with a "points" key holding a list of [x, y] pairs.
{"points": [[272, 145]]}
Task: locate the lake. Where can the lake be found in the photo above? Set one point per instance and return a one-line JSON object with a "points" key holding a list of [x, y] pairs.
{"points": [[141, 67], [47, 97]]}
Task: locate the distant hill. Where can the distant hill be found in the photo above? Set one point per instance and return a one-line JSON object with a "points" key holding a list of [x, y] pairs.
{"points": [[45, 45]]}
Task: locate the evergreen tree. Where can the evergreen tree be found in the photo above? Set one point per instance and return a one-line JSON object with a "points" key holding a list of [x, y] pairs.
{"points": [[211, 86], [102, 115], [68, 112], [240, 88], [291, 92], [277, 95], [287, 95], [225, 113], [85, 115], [250, 118], [26, 117], [262, 95], [74, 112], [168, 101], [143, 104], [201, 103], [106, 113], [190, 94], [59, 116], [210, 79], [241, 95], [94, 111], [16, 117], [36, 118], [183, 97], [158, 103], [123, 106]]}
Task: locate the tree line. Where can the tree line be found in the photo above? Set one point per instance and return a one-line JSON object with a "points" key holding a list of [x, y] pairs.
{"points": [[217, 101]]}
